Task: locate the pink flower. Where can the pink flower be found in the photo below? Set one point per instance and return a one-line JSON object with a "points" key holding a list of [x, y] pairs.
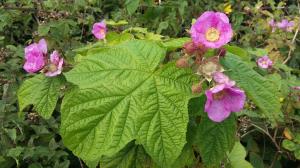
{"points": [[212, 29], [296, 87], [221, 78], [272, 23], [264, 62], [222, 100], [285, 25], [55, 65], [35, 56], [99, 30]]}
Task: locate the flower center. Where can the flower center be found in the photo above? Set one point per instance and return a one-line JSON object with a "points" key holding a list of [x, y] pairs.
{"points": [[102, 31], [212, 34], [52, 67], [219, 95]]}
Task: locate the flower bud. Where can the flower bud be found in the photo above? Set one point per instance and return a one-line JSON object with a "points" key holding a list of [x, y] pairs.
{"points": [[189, 48], [182, 63], [197, 88], [222, 52]]}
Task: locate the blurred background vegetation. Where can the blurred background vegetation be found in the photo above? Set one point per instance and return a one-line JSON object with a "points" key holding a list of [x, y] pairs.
{"points": [[27, 140]]}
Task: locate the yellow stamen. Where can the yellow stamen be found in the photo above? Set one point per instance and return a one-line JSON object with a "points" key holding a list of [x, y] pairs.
{"points": [[212, 34], [52, 67], [102, 31]]}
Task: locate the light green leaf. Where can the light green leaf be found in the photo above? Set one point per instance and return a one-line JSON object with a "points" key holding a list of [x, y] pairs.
{"points": [[214, 140], [259, 89], [42, 92], [132, 156], [237, 157], [113, 23], [122, 95], [132, 5], [289, 145], [176, 43], [43, 29]]}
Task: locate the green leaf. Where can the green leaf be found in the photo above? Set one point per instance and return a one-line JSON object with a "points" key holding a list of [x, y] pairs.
{"points": [[237, 157], [113, 23], [123, 95], [176, 43], [289, 145], [259, 89], [214, 140], [42, 92], [243, 54], [132, 5], [131, 156], [43, 29]]}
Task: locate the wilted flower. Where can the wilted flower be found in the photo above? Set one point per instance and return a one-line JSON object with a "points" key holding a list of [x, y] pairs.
{"points": [[99, 30], [212, 29], [35, 56], [264, 62], [54, 68], [222, 100], [285, 25], [209, 66]]}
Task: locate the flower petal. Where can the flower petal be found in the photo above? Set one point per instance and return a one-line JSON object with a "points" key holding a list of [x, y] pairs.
{"points": [[217, 111], [234, 99], [43, 46]]}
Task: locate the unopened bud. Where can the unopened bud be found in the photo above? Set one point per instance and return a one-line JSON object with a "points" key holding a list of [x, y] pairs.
{"points": [[182, 63], [222, 52], [197, 88], [189, 48]]}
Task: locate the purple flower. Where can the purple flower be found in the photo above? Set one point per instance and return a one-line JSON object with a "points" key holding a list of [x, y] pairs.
{"points": [[296, 87], [285, 25], [99, 30], [222, 100], [35, 56], [221, 78], [264, 62], [272, 23], [55, 65], [212, 29]]}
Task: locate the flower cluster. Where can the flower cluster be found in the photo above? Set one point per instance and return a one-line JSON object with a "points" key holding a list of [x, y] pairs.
{"points": [[223, 98], [213, 30], [36, 59], [284, 25]]}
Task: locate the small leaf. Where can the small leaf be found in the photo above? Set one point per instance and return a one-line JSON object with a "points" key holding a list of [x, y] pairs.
{"points": [[43, 29], [289, 145], [237, 157], [132, 5], [42, 92], [176, 43]]}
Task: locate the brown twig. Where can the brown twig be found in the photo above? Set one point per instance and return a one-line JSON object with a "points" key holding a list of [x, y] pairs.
{"points": [[268, 134]]}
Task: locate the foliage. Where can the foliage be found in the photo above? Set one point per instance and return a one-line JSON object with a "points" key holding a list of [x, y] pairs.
{"points": [[124, 103]]}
